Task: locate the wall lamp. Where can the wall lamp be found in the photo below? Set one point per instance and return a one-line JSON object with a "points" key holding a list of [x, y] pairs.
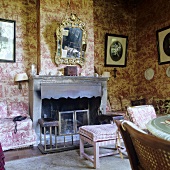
{"points": [[106, 74], [19, 78]]}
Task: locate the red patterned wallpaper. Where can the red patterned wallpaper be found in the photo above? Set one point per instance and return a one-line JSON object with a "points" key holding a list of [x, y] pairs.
{"points": [[25, 16], [116, 17], [52, 14], [151, 16], [120, 17]]}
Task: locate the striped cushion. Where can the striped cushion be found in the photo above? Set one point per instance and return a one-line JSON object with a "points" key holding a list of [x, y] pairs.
{"points": [[99, 132]]}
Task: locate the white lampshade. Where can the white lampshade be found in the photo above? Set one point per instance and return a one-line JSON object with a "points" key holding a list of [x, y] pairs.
{"points": [[106, 74], [21, 77]]}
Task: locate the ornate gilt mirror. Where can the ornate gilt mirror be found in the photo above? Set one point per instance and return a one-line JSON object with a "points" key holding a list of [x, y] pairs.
{"points": [[71, 42]]}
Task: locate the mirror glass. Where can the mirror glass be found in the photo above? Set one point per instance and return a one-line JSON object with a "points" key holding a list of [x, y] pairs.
{"points": [[71, 42]]}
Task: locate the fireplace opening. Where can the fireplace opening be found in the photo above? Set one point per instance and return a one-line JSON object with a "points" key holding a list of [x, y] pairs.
{"points": [[70, 114], [52, 107]]}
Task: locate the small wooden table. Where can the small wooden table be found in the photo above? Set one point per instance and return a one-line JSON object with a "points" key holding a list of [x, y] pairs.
{"points": [[159, 128]]}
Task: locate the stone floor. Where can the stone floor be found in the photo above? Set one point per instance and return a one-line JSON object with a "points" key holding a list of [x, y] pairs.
{"points": [[68, 160], [21, 153]]}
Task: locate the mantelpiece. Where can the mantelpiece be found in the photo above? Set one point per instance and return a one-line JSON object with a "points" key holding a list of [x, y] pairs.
{"points": [[64, 86]]}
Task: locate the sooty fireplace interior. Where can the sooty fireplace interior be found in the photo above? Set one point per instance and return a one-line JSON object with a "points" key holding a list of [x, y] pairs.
{"points": [[71, 113], [79, 109]]}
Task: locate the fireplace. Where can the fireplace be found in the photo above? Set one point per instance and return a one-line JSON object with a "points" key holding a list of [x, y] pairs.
{"points": [[89, 93]]}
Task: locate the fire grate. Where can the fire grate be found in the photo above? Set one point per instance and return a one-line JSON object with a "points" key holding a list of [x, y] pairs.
{"points": [[70, 121]]}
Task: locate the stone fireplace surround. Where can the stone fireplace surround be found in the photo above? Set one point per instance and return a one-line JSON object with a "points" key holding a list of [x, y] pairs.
{"points": [[56, 87]]}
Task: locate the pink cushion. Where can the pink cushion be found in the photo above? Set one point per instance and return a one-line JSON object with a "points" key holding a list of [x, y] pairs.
{"points": [[99, 132], [141, 115], [22, 138], [3, 109]]}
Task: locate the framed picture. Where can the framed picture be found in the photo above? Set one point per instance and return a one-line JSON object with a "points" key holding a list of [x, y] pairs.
{"points": [[7, 40], [163, 45], [116, 50]]}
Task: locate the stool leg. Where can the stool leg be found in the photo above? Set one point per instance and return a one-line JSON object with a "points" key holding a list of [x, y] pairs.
{"points": [[50, 137], [96, 155], [55, 137], [40, 135], [45, 139], [81, 147]]}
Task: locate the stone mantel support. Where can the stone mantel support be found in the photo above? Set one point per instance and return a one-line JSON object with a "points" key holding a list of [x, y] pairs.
{"points": [[64, 86]]}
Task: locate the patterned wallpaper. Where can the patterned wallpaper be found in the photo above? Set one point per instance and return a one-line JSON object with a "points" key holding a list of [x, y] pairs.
{"points": [[119, 18], [52, 14], [151, 16], [25, 16], [101, 17]]}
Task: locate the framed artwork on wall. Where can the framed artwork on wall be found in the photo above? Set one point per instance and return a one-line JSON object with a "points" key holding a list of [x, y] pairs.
{"points": [[163, 45], [115, 50], [7, 40]]}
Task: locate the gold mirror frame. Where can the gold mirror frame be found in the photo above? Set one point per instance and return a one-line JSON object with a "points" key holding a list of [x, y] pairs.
{"points": [[72, 22]]}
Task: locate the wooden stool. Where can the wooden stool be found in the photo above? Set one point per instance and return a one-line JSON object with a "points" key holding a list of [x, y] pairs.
{"points": [[97, 135], [44, 124]]}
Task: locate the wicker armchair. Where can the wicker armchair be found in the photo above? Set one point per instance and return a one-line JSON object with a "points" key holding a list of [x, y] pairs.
{"points": [[145, 151]]}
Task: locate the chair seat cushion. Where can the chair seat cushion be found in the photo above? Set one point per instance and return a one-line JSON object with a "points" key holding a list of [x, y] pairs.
{"points": [[141, 115], [21, 139], [7, 125], [99, 132]]}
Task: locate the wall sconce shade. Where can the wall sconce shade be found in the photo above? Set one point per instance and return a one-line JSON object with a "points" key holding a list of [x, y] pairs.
{"points": [[20, 77], [106, 74]]}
